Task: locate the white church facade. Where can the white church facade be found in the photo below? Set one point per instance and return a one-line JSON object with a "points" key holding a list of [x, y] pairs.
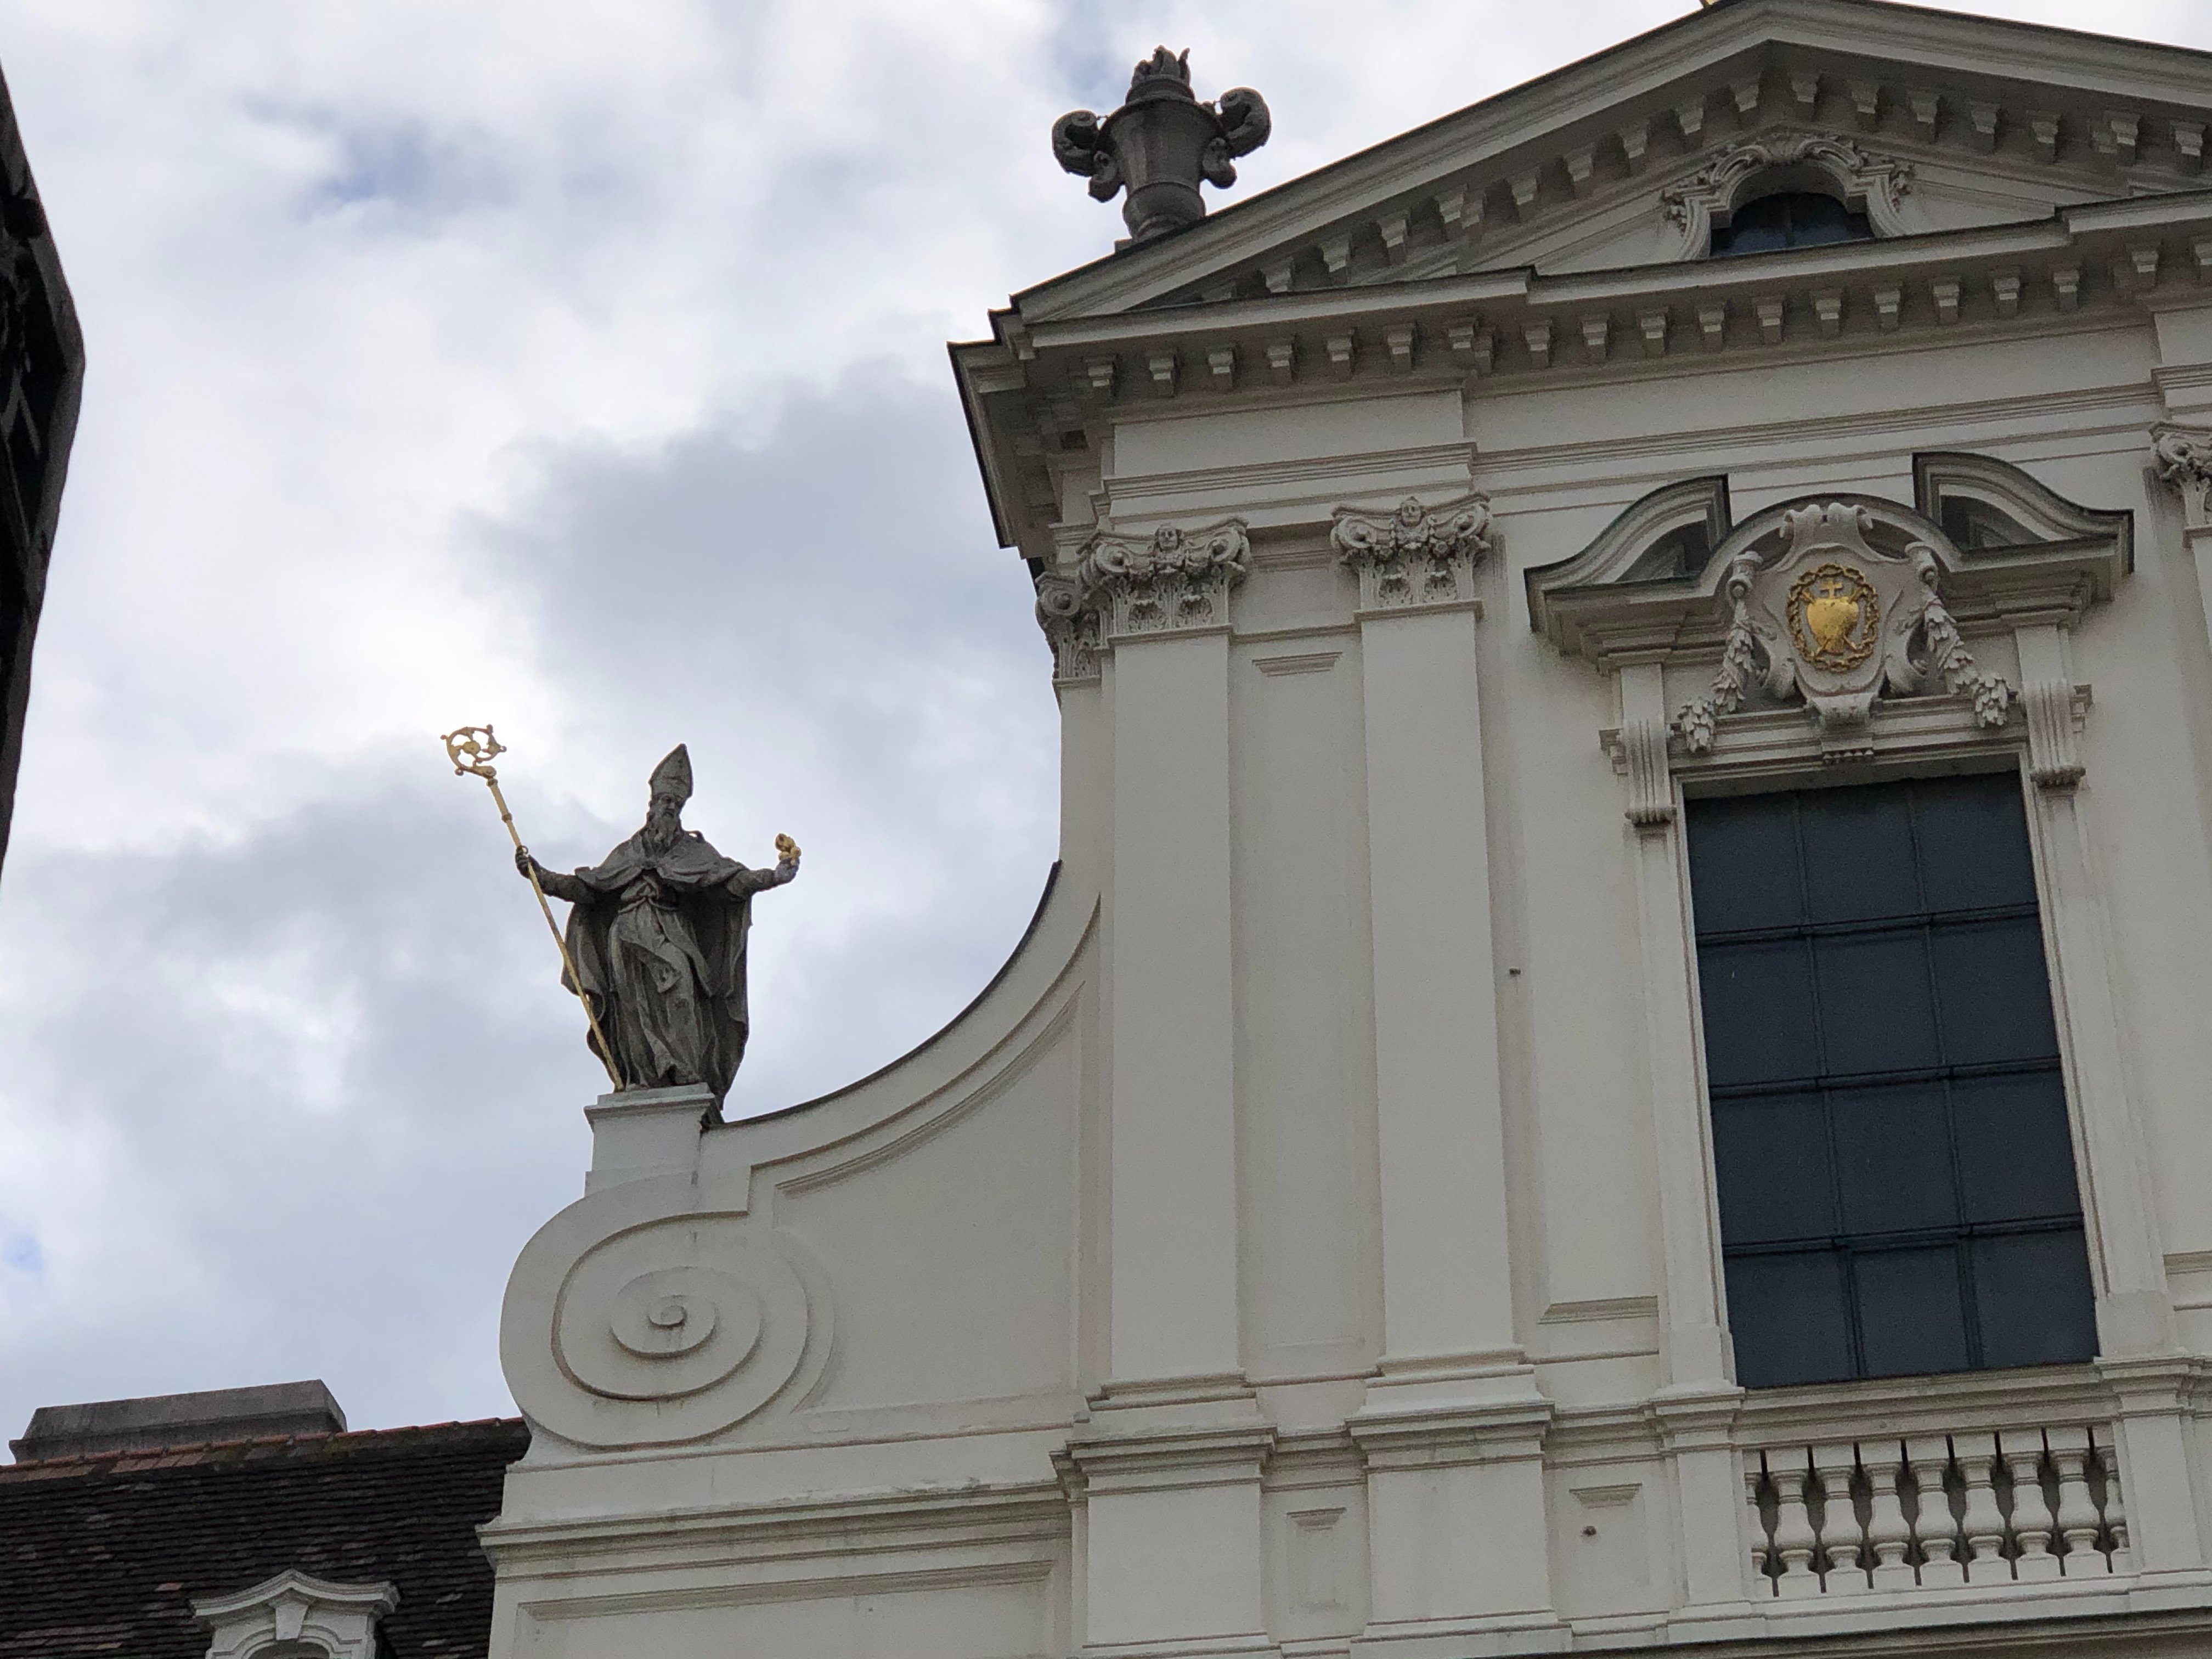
{"points": [[1618, 1056]]}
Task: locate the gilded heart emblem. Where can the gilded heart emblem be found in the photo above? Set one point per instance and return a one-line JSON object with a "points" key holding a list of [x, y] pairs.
{"points": [[1834, 615]]}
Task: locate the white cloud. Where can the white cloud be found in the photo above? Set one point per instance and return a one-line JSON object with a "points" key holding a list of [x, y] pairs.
{"points": [[423, 337]]}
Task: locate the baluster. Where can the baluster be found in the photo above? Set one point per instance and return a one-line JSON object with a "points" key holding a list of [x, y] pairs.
{"points": [[2115, 1513], [1984, 1523], [1888, 1533], [1839, 1519], [1762, 1555], [1934, 1526], [2077, 1510], [2032, 1521], [1794, 1537]]}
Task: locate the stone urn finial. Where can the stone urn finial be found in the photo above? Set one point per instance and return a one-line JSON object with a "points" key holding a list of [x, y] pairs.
{"points": [[1160, 143]]}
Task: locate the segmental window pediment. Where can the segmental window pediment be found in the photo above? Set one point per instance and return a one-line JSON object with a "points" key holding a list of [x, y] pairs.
{"points": [[1836, 604]]}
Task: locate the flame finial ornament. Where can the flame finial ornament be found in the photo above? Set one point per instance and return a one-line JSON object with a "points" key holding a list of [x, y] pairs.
{"points": [[1160, 143]]}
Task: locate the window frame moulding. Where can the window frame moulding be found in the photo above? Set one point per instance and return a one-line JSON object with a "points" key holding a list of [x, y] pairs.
{"points": [[295, 1611], [2051, 559], [1875, 185]]}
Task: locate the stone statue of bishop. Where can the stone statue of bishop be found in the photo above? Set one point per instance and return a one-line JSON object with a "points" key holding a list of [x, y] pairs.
{"points": [[658, 936]]}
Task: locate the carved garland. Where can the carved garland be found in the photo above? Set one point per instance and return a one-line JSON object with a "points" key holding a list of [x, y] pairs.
{"points": [[2182, 457], [1416, 554], [1879, 184], [1122, 588], [1813, 623]]}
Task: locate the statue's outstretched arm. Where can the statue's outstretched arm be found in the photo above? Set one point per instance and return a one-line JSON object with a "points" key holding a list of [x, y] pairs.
{"points": [[747, 882], [552, 883]]}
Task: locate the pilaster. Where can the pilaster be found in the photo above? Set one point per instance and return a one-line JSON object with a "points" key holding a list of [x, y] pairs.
{"points": [[1696, 1429], [1693, 1336], [1164, 607], [1168, 1497], [2181, 456], [2158, 1460], [1457, 1539], [1447, 1283], [1452, 1429], [2135, 1310]]}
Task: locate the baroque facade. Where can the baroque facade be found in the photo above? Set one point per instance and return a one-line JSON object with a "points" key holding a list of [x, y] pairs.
{"points": [[1615, 1057]]}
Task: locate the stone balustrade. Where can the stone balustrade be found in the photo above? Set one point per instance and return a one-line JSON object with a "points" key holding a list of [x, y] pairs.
{"points": [[1923, 1512]]}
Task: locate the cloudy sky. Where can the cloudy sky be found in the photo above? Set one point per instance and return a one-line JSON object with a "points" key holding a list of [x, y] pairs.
{"points": [[576, 365]]}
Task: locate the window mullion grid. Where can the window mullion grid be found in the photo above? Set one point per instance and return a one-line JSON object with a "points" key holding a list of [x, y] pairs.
{"points": [[1962, 1254], [1839, 1251]]}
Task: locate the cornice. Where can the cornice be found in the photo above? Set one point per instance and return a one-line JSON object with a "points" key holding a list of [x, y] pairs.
{"points": [[2184, 216], [2083, 267], [888, 1520], [1588, 102]]}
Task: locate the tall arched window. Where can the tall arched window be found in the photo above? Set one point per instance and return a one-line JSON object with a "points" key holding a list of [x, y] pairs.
{"points": [[1790, 218]]}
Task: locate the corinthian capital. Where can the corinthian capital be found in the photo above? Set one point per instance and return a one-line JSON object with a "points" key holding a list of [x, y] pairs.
{"points": [[1417, 554], [1069, 617], [1124, 587], [2182, 456], [1174, 579]]}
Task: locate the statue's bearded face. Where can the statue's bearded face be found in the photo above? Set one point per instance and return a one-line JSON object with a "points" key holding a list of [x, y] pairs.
{"points": [[663, 821]]}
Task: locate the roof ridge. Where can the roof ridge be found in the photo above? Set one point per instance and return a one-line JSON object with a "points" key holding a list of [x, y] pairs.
{"points": [[190, 1449]]}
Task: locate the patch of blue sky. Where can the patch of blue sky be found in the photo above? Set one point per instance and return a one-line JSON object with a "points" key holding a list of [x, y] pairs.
{"points": [[1088, 55], [408, 168], [21, 1252]]}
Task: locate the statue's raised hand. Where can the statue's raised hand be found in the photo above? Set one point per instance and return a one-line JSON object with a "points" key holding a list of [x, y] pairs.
{"points": [[524, 862]]}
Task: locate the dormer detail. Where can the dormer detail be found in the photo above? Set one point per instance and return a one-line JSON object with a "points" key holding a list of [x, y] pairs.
{"points": [[1873, 184], [297, 1616]]}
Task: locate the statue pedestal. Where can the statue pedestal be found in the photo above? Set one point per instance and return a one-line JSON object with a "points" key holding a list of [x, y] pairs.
{"points": [[646, 1132]]}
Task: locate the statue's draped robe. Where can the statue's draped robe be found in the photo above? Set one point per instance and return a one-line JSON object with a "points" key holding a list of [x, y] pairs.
{"points": [[659, 941]]}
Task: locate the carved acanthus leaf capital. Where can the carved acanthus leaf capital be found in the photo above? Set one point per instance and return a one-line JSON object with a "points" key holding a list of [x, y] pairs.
{"points": [[2182, 457], [1123, 587], [1414, 554], [1070, 621]]}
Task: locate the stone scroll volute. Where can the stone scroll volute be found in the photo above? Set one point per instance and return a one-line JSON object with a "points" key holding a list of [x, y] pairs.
{"points": [[622, 1328]]}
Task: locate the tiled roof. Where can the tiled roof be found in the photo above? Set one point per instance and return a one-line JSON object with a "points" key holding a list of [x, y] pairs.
{"points": [[102, 1555]]}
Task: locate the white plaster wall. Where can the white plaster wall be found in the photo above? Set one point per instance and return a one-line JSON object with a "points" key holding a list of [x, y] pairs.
{"points": [[1306, 1062], [1137, 1192], [955, 1259]]}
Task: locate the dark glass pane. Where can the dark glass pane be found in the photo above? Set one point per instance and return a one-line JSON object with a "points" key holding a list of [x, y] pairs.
{"points": [[1920, 1161], [1973, 842], [1893, 1158], [1995, 996], [1858, 854], [1759, 1012], [2034, 1303], [1911, 1317], [1789, 219], [1786, 1314], [1743, 863], [1875, 1015], [1757, 228], [1770, 1161], [2016, 1147]]}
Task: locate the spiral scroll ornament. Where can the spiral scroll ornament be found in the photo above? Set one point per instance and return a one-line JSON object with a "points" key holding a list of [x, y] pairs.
{"points": [[677, 1329]]}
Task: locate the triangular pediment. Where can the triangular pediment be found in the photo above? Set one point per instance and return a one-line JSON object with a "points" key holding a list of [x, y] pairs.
{"points": [[1613, 162]]}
